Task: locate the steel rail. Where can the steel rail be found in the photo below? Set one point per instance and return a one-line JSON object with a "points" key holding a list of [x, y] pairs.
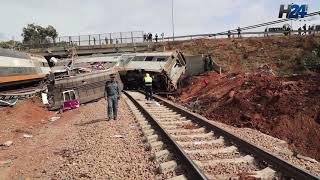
{"points": [[281, 165], [193, 171]]}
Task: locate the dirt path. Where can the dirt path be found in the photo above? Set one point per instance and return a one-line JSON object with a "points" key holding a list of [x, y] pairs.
{"points": [[80, 145]]}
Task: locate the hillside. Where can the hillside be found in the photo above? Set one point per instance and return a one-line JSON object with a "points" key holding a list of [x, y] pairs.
{"points": [[286, 107], [284, 55]]}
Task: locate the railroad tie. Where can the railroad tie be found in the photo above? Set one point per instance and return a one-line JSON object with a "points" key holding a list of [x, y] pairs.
{"points": [[168, 167], [152, 138], [190, 136], [195, 143], [162, 155], [148, 132], [187, 131], [246, 159], [155, 146], [226, 150], [181, 122], [266, 173], [181, 177]]}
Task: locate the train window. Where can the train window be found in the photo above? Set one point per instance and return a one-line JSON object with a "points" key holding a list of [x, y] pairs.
{"points": [[138, 58], [72, 95], [161, 59], [149, 58], [69, 95]]}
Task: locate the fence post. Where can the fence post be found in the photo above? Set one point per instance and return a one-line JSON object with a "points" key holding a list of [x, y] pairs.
{"points": [[89, 41], [99, 40], [79, 40], [121, 37], [69, 40], [132, 37], [110, 38]]}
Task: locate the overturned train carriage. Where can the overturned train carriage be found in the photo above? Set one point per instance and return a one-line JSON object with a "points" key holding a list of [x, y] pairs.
{"points": [[17, 68], [82, 88], [166, 68]]}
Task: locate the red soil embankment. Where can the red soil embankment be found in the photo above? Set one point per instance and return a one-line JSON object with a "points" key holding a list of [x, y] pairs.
{"points": [[285, 107]]}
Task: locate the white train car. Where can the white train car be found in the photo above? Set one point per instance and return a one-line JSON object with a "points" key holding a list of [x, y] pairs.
{"points": [[18, 68]]}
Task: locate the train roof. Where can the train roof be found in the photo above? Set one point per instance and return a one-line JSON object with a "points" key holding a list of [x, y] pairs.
{"points": [[14, 54]]}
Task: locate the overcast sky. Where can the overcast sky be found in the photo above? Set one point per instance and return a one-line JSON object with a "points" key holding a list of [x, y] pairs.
{"points": [[75, 17]]}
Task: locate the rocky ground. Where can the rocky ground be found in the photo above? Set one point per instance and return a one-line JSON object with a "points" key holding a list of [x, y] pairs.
{"points": [[79, 145]]}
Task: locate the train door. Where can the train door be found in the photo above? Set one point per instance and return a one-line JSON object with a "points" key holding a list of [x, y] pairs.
{"points": [[70, 100]]}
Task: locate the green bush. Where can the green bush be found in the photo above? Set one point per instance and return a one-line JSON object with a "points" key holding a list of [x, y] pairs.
{"points": [[312, 62]]}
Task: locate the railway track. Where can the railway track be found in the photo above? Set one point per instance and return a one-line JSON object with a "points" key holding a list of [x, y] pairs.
{"points": [[187, 146]]}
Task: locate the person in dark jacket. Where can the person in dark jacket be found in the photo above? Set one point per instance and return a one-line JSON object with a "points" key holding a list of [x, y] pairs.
{"points": [[156, 37], [210, 63], [206, 63], [112, 95], [304, 27], [239, 32]]}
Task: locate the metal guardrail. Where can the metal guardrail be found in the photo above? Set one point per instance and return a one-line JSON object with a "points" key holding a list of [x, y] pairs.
{"points": [[91, 40], [134, 41], [242, 34]]}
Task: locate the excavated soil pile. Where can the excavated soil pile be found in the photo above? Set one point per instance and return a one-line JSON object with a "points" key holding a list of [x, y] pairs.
{"points": [[283, 55], [284, 107]]}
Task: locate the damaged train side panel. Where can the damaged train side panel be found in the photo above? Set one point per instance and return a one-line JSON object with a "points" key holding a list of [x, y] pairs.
{"points": [[166, 68], [70, 92]]}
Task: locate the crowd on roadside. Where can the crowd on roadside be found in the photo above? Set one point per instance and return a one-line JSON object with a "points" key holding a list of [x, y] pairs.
{"points": [[148, 37]]}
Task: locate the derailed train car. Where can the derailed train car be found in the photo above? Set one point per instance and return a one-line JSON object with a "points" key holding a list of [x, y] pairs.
{"points": [[166, 68], [70, 92], [18, 68]]}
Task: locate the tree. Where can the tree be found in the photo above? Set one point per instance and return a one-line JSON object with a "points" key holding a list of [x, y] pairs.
{"points": [[11, 45], [35, 34]]}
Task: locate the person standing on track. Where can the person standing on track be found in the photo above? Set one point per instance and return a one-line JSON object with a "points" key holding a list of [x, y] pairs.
{"points": [[148, 86], [112, 95]]}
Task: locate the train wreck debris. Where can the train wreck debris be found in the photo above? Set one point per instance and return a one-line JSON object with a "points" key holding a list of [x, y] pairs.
{"points": [[18, 68], [71, 87], [70, 92], [166, 68], [9, 102]]}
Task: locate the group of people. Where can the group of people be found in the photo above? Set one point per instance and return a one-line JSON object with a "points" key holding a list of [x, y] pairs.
{"points": [[112, 94], [149, 37], [287, 30], [304, 29], [238, 31]]}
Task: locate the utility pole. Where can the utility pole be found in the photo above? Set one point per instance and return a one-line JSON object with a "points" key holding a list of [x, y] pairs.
{"points": [[172, 19]]}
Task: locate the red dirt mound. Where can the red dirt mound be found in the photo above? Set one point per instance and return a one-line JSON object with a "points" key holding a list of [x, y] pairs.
{"points": [[24, 117], [285, 107]]}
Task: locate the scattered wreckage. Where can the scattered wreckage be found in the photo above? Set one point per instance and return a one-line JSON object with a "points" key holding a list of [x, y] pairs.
{"points": [[78, 80], [18, 68], [70, 85], [69, 92]]}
